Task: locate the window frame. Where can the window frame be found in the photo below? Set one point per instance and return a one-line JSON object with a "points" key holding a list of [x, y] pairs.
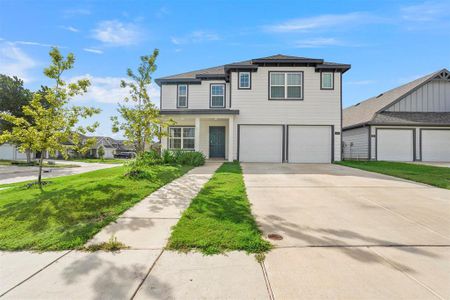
{"points": [[181, 138], [302, 85], [249, 81], [211, 95], [332, 80], [178, 95]]}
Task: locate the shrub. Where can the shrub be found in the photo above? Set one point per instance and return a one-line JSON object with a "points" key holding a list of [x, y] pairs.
{"points": [[189, 158]]}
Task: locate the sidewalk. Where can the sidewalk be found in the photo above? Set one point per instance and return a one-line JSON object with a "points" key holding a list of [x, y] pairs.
{"points": [[146, 270]]}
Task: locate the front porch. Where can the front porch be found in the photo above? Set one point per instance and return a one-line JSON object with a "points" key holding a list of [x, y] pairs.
{"points": [[213, 135]]}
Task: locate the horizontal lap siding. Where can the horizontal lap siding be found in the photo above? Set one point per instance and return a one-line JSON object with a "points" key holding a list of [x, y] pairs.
{"points": [[318, 107], [360, 139]]}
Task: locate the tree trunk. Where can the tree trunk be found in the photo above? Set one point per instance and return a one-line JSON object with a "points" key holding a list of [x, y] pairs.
{"points": [[28, 153], [41, 159]]}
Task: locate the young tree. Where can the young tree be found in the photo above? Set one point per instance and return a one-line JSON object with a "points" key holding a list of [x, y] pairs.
{"points": [[49, 123], [141, 122], [101, 152]]}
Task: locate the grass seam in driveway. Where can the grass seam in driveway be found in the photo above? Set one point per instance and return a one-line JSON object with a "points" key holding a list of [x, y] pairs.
{"points": [[219, 218], [431, 175], [72, 209]]}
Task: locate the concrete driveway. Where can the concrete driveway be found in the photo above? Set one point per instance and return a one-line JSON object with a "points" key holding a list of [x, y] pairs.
{"points": [[351, 234]]}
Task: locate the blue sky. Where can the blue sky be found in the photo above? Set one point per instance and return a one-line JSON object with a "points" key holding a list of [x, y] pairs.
{"points": [[386, 42]]}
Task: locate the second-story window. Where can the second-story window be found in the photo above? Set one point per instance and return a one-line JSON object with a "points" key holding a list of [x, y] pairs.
{"points": [[327, 81], [286, 85], [182, 98], [244, 80], [217, 95]]}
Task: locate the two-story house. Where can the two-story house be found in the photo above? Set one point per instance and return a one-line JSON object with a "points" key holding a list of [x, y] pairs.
{"points": [[273, 109]]}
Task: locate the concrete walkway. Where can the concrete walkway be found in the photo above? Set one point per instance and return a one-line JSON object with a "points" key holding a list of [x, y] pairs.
{"points": [[351, 234], [12, 174]]}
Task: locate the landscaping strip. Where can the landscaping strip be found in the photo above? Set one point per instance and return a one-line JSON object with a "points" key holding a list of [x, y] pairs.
{"points": [[436, 176], [71, 209], [219, 218]]}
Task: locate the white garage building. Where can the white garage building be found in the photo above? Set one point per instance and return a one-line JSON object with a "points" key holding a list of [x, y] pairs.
{"points": [[408, 123]]}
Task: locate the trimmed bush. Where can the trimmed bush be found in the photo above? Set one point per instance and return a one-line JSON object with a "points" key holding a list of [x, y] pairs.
{"points": [[187, 158]]}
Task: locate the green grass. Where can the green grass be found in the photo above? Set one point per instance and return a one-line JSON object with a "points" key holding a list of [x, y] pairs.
{"points": [[71, 209], [219, 218], [103, 161], [436, 176]]}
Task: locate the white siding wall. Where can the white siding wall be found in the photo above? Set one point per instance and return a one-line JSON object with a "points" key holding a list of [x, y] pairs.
{"points": [[417, 140], [318, 107], [360, 139], [198, 95], [432, 97]]}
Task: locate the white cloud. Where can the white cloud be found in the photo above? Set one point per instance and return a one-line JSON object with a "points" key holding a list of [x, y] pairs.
{"points": [[115, 33], [319, 43], [70, 28], [91, 50], [76, 12], [108, 90], [320, 22], [28, 43], [15, 62], [195, 37], [428, 15]]}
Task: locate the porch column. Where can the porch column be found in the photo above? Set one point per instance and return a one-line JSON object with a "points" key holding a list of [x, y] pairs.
{"points": [[197, 135], [230, 138]]}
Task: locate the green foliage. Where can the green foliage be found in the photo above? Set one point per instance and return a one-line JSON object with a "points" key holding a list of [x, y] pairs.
{"points": [[219, 218], [436, 176], [72, 209], [101, 152], [141, 122], [188, 158], [112, 245], [12, 97], [50, 122]]}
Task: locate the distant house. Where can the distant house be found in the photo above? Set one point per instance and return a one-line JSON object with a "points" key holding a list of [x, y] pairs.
{"points": [[407, 123], [11, 152]]}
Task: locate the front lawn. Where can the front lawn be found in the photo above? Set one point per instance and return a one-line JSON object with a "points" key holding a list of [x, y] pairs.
{"points": [[437, 176], [219, 217], [71, 209]]}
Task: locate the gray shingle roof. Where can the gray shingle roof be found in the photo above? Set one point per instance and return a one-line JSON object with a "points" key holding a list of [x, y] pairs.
{"points": [[221, 70], [365, 111], [412, 118]]}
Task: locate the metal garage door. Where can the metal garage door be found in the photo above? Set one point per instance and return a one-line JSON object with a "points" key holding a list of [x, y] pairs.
{"points": [[309, 144], [395, 144], [261, 143], [435, 145], [7, 151]]}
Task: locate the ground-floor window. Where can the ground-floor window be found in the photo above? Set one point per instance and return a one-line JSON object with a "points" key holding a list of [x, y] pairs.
{"points": [[182, 138]]}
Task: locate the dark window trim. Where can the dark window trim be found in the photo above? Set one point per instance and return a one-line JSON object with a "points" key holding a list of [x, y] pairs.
{"points": [[179, 126], [321, 86], [249, 80], [187, 95], [286, 99], [224, 95]]}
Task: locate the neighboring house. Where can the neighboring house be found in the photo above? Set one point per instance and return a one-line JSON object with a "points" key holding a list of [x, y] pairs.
{"points": [[109, 145], [408, 123], [273, 109], [11, 152]]}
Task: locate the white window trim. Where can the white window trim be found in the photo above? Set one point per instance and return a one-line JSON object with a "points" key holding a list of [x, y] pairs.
{"points": [[181, 137], [322, 81], [285, 85], [249, 81], [178, 96], [211, 95]]}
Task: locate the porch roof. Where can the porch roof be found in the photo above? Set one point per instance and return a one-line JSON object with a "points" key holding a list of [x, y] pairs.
{"points": [[199, 111]]}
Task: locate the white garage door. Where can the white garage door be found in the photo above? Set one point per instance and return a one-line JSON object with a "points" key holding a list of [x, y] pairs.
{"points": [[435, 145], [7, 151], [261, 143], [395, 144], [309, 144]]}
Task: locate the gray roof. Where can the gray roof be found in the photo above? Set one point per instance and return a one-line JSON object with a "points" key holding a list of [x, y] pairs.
{"points": [[365, 111], [194, 76], [412, 118]]}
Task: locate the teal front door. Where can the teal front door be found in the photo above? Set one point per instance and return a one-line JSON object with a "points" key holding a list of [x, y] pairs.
{"points": [[216, 141]]}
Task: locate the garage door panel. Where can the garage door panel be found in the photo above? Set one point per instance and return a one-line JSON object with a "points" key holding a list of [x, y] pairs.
{"points": [[395, 144], [261, 143], [435, 145], [309, 144]]}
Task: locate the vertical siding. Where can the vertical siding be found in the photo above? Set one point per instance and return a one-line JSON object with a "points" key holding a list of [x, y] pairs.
{"points": [[432, 97], [360, 139]]}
